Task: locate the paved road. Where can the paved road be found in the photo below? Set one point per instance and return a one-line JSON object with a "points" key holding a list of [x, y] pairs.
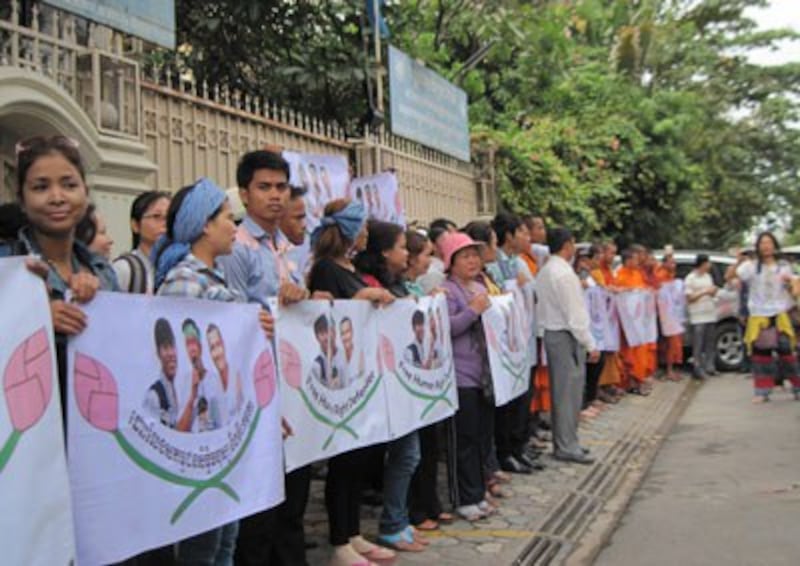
{"points": [[724, 489]]}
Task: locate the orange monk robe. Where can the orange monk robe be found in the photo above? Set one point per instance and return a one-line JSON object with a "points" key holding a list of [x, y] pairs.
{"points": [[671, 346], [612, 372], [530, 261], [635, 359]]}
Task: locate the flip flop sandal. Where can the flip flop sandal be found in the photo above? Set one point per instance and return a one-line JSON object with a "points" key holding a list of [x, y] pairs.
{"points": [[418, 537], [379, 554], [446, 518]]}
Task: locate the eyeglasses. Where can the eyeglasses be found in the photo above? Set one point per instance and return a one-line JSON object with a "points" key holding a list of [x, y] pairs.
{"points": [[155, 216]]}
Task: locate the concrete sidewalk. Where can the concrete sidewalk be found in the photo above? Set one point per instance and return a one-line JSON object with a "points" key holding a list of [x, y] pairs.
{"points": [[724, 489], [547, 513]]}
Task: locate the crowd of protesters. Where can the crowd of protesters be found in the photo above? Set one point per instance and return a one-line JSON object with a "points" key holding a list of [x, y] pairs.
{"points": [[190, 244]]}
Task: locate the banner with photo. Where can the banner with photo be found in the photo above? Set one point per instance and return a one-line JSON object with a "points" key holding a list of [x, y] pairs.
{"points": [[507, 344], [332, 393], [36, 522], [380, 195], [174, 422], [416, 360], [325, 178], [525, 299], [637, 314], [603, 318], [672, 308]]}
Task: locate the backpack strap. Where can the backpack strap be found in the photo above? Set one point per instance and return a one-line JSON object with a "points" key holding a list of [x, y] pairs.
{"points": [[138, 279]]}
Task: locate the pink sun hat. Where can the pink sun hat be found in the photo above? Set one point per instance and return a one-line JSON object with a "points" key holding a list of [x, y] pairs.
{"points": [[455, 242]]}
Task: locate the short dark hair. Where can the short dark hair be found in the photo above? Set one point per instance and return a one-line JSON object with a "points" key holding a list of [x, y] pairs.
{"points": [[163, 334], [418, 318], [557, 238], [321, 324], [346, 319], [595, 250], [255, 160], [439, 227], [701, 259], [190, 324], [505, 225], [480, 231], [296, 192], [627, 254], [141, 204]]}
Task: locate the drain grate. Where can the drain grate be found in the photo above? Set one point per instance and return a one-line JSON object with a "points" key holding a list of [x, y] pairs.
{"points": [[565, 523]]}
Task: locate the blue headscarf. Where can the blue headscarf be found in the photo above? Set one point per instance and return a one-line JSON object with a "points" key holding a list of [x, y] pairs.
{"points": [[349, 220], [203, 200]]}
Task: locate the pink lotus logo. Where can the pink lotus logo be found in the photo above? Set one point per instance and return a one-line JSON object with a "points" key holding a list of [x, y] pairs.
{"points": [[97, 398], [28, 387]]}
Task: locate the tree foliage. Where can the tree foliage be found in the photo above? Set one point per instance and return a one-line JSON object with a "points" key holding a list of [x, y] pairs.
{"points": [[641, 120]]}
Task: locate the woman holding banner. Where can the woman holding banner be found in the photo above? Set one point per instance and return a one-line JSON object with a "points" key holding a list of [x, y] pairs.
{"points": [[383, 263], [769, 333], [52, 191], [425, 508], [467, 300], [342, 232], [672, 346], [200, 229]]}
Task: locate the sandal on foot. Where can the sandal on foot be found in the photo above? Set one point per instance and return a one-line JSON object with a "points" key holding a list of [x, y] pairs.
{"points": [[470, 513], [417, 536], [402, 541], [446, 518], [760, 399], [427, 525], [370, 551]]}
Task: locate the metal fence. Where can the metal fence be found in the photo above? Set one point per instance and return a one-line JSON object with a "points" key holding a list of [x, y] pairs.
{"points": [[192, 130]]}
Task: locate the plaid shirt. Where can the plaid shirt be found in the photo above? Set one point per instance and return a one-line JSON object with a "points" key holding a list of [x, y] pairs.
{"points": [[193, 278]]}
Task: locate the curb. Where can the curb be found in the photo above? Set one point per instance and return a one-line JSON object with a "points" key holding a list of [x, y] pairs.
{"points": [[599, 532]]}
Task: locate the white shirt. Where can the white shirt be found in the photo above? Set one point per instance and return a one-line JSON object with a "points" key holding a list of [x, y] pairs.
{"points": [[435, 276], [561, 302], [704, 309], [769, 295]]}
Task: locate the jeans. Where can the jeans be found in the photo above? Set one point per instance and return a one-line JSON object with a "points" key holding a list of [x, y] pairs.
{"points": [[212, 548], [402, 462]]}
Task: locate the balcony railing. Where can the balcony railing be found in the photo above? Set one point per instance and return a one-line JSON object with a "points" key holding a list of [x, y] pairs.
{"points": [[83, 58]]}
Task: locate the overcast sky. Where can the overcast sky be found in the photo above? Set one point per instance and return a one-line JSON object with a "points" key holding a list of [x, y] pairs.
{"points": [[780, 14]]}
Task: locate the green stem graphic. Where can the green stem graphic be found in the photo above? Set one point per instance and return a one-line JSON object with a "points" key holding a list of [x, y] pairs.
{"points": [[8, 448], [322, 418], [343, 423], [214, 482], [434, 399]]}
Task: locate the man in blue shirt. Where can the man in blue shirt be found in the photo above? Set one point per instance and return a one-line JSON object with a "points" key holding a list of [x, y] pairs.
{"points": [[259, 268]]}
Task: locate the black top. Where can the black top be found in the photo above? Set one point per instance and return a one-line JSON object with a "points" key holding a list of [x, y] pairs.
{"points": [[327, 275]]}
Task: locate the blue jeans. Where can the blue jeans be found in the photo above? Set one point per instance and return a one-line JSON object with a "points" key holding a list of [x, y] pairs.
{"points": [[212, 548], [401, 463]]}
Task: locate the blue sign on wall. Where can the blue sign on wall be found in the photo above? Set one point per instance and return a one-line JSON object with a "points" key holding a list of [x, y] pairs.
{"points": [[427, 108], [152, 20]]}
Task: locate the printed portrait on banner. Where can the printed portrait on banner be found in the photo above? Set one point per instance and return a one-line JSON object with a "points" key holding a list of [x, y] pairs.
{"points": [[504, 328], [332, 393], [637, 315], [380, 196], [603, 318], [174, 422], [672, 308], [416, 359]]}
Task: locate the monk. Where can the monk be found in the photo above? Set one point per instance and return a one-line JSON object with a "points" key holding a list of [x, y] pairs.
{"points": [[671, 346], [612, 378], [649, 264], [635, 359]]}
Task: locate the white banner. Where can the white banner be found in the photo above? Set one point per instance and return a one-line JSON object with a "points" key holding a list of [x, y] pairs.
{"points": [[36, 519], [525, 301], [637, 313], [507, 344], [380, 196], [603, 318], [672, 308], [174, 424], [325, 178], [417, 363], [332, 393]]}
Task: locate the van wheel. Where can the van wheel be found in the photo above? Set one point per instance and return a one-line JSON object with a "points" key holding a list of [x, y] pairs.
{"points": [[730, 346]]}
